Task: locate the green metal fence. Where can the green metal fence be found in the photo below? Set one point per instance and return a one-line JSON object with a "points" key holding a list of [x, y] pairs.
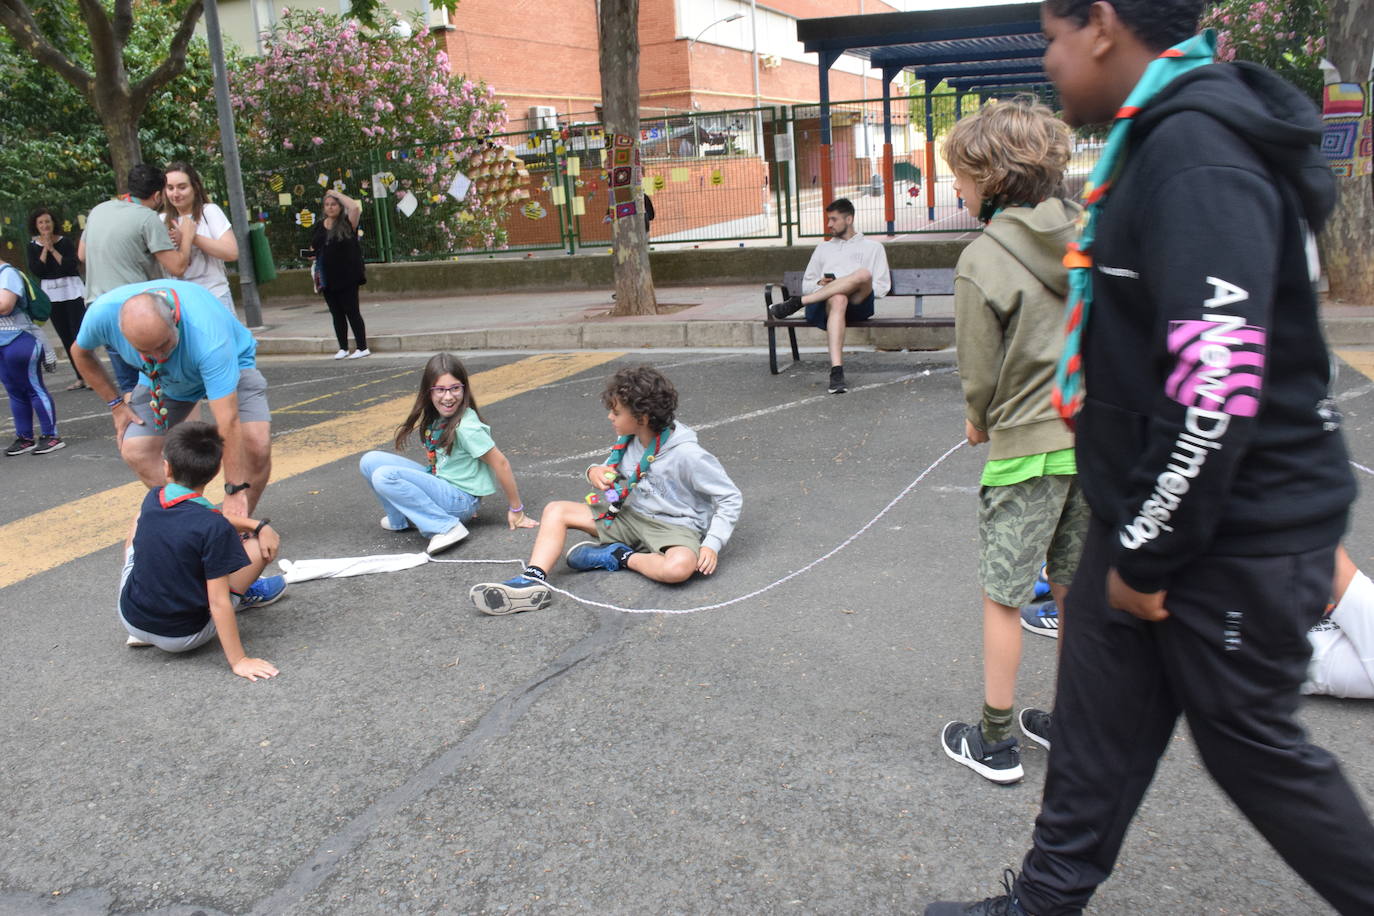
{"points": [[738, 175]]}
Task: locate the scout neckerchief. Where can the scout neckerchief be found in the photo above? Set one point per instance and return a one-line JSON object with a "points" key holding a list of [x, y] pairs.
{"points": [[614, 496], [1197, 51], [174, 493], [153, 367]]}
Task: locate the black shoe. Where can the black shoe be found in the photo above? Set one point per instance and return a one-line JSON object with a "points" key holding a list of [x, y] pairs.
{"points": [[1000, 762], [785, 307], [21, 446], [49, 444], [837, 385], [1035, 725], [1003, 905]]}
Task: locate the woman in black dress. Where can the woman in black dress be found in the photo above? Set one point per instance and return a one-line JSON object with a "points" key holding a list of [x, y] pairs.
{"points": [[339, 269], [54, 264]]}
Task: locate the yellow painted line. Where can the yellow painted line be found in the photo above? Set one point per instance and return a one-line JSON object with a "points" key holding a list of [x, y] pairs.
{"points": [[47, 539], [1361, 361]]}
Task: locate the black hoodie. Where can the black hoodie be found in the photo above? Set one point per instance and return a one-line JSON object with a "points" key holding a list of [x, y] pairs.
{"points": [[1206, 427]]}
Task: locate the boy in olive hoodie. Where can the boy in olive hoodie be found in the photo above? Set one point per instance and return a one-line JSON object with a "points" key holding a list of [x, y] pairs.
{"points": [[1008, 161]]}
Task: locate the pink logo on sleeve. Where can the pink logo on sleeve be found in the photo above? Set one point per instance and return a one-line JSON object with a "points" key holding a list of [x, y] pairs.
{"points": [[1220, 365]]}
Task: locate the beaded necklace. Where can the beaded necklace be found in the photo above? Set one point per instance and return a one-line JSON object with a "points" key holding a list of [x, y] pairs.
{"points": [[153, 367], [431, 435], [613, 497]]}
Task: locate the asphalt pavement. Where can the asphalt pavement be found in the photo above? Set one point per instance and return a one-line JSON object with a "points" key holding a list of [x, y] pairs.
{"points": [[760, 741]]}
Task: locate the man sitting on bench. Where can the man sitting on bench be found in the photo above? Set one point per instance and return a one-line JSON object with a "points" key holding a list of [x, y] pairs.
{"points": [[846, 273]]}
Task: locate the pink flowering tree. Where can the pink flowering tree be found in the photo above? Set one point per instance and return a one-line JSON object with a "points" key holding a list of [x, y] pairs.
{"points": [[332, 102], [1287, 36]]}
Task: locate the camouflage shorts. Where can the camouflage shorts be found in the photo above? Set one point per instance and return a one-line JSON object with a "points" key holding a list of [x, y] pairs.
{"points": [[1020, 526]]}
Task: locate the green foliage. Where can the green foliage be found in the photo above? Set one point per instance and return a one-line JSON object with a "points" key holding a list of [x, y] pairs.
{"points": [[1287, 37], [53, 150]]}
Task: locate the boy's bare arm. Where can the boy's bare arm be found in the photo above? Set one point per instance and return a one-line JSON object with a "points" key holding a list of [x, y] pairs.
{"points": [[267, 536], [227, 626]]}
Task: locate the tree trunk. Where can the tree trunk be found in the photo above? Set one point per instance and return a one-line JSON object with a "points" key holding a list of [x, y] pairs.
{"points": [[1349, 235], [120, 122], [619, 33]]}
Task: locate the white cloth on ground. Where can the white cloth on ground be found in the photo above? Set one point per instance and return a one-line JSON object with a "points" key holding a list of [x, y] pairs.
{"points": [[343, 567]]}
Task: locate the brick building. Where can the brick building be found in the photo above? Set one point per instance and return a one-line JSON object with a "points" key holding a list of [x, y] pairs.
{"points": [[542, 54]]}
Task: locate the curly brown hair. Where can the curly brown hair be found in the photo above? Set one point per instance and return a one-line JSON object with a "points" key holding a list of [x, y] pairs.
{"points": [[644, 392], [1014, 151]]}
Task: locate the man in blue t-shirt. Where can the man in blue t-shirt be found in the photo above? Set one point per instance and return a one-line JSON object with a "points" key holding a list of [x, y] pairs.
{"points": [[188, 347]]}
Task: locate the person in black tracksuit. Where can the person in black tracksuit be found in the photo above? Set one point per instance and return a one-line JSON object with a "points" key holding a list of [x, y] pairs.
{"points": [[1212, 460]]}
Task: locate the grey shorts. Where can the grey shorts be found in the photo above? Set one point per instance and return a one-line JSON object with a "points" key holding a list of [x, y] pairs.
{"points": [[165, 643], [1022, 525], [253, 408], [649, 534]]}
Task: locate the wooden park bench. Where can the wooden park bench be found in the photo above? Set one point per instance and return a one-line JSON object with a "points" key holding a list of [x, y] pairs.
{"points": [[905, 282]]}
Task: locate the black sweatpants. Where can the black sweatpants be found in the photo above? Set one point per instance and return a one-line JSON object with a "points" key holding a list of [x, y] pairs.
{"points": [[343, 308], [1230, 658], [66, 321]]}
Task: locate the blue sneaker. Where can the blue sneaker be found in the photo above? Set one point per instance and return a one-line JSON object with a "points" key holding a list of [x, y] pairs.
{"points": [[520, 593], [590, 555], [267, 590], [1041, 618], [1042, 585]]}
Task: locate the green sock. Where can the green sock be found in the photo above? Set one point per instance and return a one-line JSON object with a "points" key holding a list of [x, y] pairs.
{"points": [[996, 724]]}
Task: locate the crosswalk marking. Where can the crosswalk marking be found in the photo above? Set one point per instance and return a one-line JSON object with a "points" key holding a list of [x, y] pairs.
{"points": [[48, 539]]}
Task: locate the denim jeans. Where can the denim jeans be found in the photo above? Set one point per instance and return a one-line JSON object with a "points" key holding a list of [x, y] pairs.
{"points": [[409, 493]]}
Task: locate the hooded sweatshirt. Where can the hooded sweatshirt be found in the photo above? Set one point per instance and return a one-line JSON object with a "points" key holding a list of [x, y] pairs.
{"points": [[686, 486], [1009, 289], [1207, 426]]}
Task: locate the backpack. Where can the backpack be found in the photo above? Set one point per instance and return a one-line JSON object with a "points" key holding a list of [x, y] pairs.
{"points": [[36, 302]]}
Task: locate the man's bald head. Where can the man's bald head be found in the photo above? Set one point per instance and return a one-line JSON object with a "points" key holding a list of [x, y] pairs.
{"points": [[146, 321]]}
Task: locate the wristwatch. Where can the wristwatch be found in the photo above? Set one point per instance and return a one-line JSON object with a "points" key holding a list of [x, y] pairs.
{"points": [[231, 488]]}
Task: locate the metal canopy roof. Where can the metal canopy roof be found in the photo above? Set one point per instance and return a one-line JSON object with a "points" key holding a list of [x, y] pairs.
{"points": [[975, 43]]}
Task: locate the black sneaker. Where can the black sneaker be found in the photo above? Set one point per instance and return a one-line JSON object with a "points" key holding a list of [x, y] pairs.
{"points": [[1035, 725], [1002, 905], [21, 446], [786, 307], [50, 444], [837, 385], [1000, 762]]}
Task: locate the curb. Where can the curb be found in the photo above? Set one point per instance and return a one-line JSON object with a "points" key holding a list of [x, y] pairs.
{"points": [[618, 335]]}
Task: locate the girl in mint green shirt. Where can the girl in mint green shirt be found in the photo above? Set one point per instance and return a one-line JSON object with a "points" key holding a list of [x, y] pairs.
{"points": [[463, 463]]}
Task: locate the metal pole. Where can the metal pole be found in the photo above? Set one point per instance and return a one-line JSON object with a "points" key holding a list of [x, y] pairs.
{"points": [[754, 37], [233, 175]]}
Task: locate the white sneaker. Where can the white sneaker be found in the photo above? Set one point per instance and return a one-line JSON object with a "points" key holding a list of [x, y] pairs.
{"points": [[133, 642], [359, 354], [341, 354], [447, 539], [386, 523]]}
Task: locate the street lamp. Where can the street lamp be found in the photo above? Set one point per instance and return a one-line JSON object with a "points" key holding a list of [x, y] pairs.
{"points": [[696, 125], [731, 18]]}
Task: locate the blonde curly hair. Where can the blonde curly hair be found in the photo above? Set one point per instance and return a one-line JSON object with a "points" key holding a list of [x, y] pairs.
{"points": [[1014, 151]]}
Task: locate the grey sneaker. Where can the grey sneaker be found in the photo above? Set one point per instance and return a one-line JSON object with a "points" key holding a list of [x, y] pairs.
{"points": [[786, 307], [1000, 762], [1042, 618], [520, 593]]}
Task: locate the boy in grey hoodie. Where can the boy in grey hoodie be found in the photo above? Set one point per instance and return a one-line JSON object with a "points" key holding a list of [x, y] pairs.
{"points": [[1009, 289], [662, 505]]}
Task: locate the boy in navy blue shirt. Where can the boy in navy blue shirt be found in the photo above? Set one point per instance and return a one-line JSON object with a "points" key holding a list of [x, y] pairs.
{"points": [[183, 559]]}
